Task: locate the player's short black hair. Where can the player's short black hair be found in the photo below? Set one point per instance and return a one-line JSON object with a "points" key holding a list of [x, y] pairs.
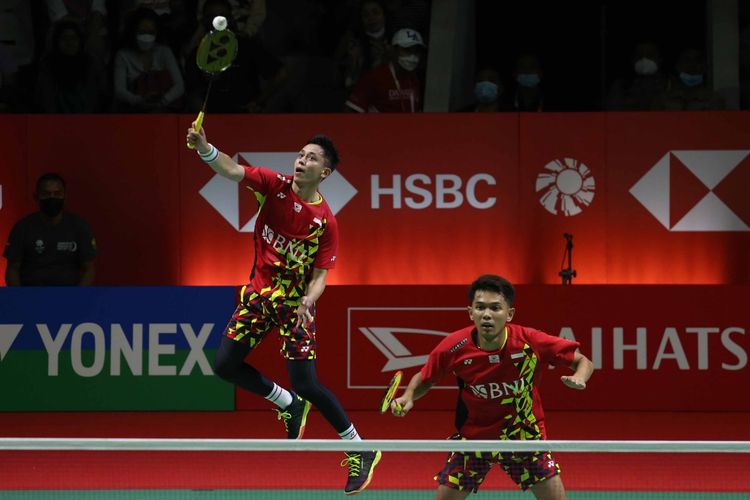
{"points": [[493, 283], [331, 154], [49, 176]]}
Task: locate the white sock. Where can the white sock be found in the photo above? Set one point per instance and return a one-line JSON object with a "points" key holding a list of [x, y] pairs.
{"points": [[350, 434], [280, 397]]}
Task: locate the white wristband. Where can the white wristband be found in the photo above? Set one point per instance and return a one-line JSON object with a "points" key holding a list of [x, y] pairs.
{"points": [[211, 155]]}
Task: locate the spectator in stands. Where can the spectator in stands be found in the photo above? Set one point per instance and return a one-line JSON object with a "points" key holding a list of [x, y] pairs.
{"points": [[50, 247], [16, 55], [688, 90], [366, 44], [313, 83], [147, 77], [69, 80], [488, 92], [173, 19], [527, 94], [252, 79], [395, 86], [639, 91], [92, 14]]}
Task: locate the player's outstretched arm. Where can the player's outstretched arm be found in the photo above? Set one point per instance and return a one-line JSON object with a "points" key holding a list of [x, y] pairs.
{"points": [[221, 163], [583, 368], [415, 390]]}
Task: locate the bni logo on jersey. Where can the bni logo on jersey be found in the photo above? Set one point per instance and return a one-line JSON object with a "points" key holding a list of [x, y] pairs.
{"points": [[566, 187], [224, 195]]}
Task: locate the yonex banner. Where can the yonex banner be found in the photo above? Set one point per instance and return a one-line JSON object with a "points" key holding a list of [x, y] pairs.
{"points": [[112, 348]]}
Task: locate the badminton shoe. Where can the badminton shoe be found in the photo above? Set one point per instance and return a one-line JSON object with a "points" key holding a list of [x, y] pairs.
{"points": [[361, 466], [294, 417]]}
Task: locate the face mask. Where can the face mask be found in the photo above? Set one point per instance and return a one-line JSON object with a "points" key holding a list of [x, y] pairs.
{"points": [[485, 92], [145, 41], [409, 63], [528, 79], [376, 34], [51, 206], [645, 66], [691, 80]]}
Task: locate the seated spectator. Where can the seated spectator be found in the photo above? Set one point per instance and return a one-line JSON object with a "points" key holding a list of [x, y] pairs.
{"points": [[313, 83], [147, 77], [173, 19], [50, 247], [252, 79], [92, 14], [488, 92], [527, 94], [366, 44], [639, 91], [17, 47], [689, 91], [395, 86], [69, 80]]}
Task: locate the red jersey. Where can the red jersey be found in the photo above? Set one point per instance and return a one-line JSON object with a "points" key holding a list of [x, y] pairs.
{"points": [[291, 236], [499, 390], [385, 90]]}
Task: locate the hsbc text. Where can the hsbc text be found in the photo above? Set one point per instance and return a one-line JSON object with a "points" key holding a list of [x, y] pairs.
{"points": [[419, 191]]}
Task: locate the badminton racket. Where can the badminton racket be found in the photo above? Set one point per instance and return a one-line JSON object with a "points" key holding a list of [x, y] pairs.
{"points": [[390, 392], [216, 52]]}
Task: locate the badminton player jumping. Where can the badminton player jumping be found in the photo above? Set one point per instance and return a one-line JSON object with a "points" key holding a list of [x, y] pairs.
{"points": [[296, 239], [498, 367]]}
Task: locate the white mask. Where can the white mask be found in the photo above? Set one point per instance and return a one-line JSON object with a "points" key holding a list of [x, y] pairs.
{"points": [[376, 34], [145, 41], [645, 66], [409, 63]]}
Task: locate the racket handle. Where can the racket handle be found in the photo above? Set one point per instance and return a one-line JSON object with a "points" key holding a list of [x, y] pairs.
{"points": [[197, 127]]}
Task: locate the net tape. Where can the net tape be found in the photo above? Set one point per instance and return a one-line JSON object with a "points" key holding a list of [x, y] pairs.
{"points": [[402, 445]]}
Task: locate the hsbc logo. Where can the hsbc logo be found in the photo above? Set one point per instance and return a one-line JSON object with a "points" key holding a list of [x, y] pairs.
{"points": [[697, 190], [224, 195]]}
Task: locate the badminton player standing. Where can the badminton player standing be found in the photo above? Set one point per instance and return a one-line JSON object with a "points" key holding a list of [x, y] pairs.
{"points": [[296, 239], [498, 366]]}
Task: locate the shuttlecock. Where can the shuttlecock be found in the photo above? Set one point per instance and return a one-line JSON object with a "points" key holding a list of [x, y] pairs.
{"points": [[220, 23]]}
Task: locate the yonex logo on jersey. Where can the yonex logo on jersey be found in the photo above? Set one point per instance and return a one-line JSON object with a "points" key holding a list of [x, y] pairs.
{"points": [[493, 390], [468, 361], [224, 195], [280, 196], [703, 179], [297, 207], [494, 358], [566, 187]]}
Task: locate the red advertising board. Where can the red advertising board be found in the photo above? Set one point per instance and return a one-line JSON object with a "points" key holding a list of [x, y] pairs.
{"points": [[653, 198], [666, 348]]}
